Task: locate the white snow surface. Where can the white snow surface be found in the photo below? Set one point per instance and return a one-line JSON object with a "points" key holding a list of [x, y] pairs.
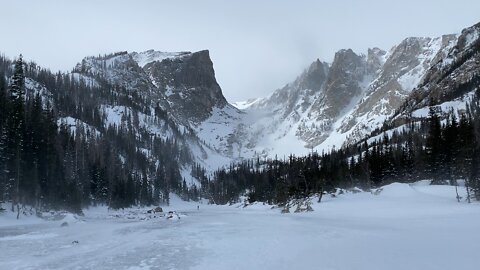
{"points": [[36, 88], [117, 115], [74, 124], [415, 226], [189, 179]]}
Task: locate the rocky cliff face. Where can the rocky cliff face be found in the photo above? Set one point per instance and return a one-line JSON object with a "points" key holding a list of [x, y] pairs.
{"points": [[188, 83], [345, 82]]}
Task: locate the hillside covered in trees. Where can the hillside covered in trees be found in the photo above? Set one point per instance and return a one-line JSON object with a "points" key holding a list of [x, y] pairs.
{"points": [[48, 163]]}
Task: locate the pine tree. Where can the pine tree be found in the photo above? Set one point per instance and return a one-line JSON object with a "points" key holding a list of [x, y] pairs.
{"points": [[16, 131], [3, 137], [451, 146], [433, 146]]}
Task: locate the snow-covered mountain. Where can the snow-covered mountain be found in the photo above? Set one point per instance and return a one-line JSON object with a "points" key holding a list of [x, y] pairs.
{"points": [[182, 83], [150, 94], [178, 87], [175, 95], [330, 105]]}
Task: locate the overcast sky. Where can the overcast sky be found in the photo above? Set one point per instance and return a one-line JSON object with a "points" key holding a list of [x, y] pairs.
{"points": [[256, 46]]}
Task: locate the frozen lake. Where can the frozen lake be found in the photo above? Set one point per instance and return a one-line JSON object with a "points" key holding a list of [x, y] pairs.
{"points": [[405, 227]]}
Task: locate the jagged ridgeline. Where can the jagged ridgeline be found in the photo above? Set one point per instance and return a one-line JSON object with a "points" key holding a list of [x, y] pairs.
{"points": [[69, 141]]}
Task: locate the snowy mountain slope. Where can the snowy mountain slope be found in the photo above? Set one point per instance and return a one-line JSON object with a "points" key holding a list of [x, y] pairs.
{"points": [[34, 88], [180, 88], [152, 94], [404, 67], [352, 96], [452, 75]]}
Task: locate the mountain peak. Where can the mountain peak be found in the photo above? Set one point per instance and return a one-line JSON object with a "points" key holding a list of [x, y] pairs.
{"points": [[188, 80]]}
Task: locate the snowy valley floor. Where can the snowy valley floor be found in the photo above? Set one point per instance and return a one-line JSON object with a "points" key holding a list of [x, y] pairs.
{"points": [[405, 227]]}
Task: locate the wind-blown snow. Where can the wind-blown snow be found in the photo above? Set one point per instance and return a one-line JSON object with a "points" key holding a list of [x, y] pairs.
{"points": [[150, 56], [242, 105], [415, 226]]}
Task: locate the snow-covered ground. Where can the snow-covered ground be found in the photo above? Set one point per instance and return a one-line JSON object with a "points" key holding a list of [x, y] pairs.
{"points": [[404, 227]]}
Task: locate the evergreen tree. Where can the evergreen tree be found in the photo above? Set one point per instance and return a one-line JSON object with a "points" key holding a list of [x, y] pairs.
{"points": [[434, 146], [16, 131], [3, 137]]}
